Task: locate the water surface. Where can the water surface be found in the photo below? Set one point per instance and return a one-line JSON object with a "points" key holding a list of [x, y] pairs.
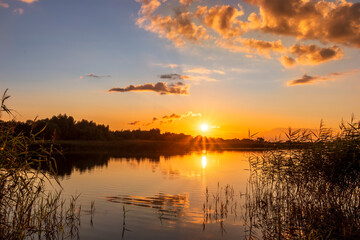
{"points": [[159, 197]]}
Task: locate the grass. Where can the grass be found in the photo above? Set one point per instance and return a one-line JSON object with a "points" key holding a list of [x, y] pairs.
{"points": [[27, 209]]}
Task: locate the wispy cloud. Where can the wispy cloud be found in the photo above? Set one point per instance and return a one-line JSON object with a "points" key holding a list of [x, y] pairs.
{"points": [[186, 2], [18, 11], [134, 123], [4, 5], [92, 75], [202, 70], [167, 119], [201, 78], [172, 117], [170, 65], [307, 79], [162, 88], [28, 1]]}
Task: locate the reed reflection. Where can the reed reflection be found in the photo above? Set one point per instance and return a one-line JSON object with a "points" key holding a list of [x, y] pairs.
{"points": [[168, 207]]}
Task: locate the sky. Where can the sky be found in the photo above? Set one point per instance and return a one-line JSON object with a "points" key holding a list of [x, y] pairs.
{"points": [[177, 64]]}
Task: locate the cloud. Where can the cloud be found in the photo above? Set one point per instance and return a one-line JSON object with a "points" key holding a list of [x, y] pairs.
{"points": [[171, 65], [312, 54], [179, 28], [306, 79], [250, 45], [167, 119], [134, 123], [196, 78], [173, 76], [186, 2], [18, 11], [162, 88], [223, 19], [92, 75], [329, 22], [28, 1], [287, 61], [337, 22], [202, 70], [201, 78], [4, 5], [202, 74], [172, 117]]}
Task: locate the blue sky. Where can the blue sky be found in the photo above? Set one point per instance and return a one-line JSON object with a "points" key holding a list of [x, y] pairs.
{"points": [[49, 49]]}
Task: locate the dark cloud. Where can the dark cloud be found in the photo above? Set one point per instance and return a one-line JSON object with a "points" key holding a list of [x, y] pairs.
{"points": [[166, 119], [162, 88], [92, 75], [307, 79], [134, 123], [172, 116], [173, 76]]}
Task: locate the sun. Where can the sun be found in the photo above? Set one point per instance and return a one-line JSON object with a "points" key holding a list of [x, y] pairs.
{"points": [[204, 127]]}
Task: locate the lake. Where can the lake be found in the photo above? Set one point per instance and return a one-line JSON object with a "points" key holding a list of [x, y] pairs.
{"points": [[199, 195]]}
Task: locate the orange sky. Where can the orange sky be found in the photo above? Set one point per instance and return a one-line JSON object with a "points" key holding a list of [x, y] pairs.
{"points": [[174, 65]]}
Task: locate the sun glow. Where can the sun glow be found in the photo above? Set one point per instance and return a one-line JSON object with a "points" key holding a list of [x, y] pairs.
{"points": [[204, 127], [203, 162]]}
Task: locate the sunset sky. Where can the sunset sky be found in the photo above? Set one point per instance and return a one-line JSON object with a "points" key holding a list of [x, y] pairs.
{"points": [[177, 64]]}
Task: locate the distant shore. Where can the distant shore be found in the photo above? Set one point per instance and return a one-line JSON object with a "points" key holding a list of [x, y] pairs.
{"points": [[136, 145]]}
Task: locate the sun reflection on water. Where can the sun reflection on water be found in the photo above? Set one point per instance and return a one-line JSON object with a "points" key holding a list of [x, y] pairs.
{"points": [[203, 161]]}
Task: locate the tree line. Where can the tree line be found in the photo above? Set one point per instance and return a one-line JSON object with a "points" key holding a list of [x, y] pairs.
{"points": [[64, 127]]}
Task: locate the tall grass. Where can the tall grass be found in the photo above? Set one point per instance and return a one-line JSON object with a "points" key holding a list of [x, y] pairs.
{"points": [[307, 193], [27, 209]]}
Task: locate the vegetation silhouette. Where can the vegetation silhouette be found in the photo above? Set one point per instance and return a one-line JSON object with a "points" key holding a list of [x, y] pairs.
{"points": [[27, 209]]}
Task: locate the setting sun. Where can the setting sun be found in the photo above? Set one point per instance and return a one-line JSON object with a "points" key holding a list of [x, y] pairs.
{"points": [[204, 127]]}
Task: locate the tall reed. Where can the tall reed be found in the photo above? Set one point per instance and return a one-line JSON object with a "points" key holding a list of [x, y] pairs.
{"points": [[307, 193], [27, 209]]}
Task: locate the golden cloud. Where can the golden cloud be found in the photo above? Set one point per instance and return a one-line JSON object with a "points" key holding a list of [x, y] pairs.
{"points": [[311, 55], [252, 46], [172, 117], [336, 22], [4, 5], [28, 1], [223, 19], [186, 2], [178, 28]]}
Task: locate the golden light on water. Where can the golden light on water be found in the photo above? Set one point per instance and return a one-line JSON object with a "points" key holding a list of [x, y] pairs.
{"points": [[203, 161]]}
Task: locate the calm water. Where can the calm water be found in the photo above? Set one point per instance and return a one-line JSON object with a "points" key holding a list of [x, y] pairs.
{"points": [[163, 197]]}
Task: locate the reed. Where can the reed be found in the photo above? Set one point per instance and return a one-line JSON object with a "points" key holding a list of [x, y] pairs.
{"points": [[27, 209], [307, 193]]}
